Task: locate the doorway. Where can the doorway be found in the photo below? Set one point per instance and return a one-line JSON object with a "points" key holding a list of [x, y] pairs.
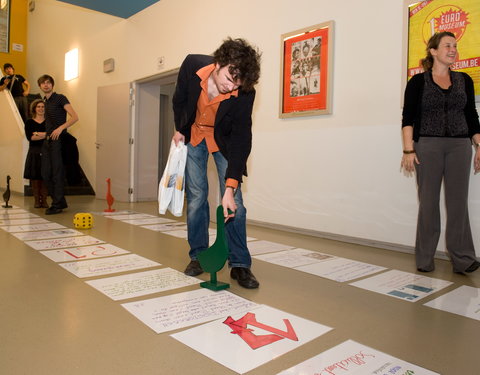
{"points": [[152, 131], [140, 116], [153, 128]]}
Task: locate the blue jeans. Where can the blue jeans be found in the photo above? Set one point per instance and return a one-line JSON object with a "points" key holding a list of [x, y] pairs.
{"points": [[198, 213]]}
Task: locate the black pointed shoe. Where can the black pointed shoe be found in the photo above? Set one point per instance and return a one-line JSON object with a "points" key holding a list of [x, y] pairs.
{"points": [[473, 267], [193, 269], [244, 277], [53, 210]]}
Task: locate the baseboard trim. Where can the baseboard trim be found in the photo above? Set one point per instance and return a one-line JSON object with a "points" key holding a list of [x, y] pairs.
{"points": [[343, 238]]}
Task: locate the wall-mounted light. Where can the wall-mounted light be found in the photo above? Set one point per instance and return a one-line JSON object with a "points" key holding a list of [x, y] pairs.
{"points": [[71, 64]]}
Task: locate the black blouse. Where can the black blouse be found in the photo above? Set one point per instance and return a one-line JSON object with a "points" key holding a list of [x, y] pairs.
{"points": [[412, 109], [32, 126]]}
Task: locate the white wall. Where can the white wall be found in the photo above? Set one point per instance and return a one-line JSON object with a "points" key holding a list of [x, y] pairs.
{"points": [[337, 173], [13, 145]]}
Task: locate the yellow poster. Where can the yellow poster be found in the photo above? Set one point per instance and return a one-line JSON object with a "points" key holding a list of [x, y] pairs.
{"points": [[462, 18]]}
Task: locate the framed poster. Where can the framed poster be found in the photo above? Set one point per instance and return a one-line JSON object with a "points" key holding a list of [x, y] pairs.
{"points": [[462, 18], [306, 71], [4, 25]]}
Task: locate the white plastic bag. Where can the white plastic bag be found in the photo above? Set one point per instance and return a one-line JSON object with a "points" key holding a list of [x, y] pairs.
{"points": [[171, 189]]}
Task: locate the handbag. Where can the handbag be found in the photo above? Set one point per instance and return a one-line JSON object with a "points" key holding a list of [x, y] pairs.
{"points": [[171, 189]]}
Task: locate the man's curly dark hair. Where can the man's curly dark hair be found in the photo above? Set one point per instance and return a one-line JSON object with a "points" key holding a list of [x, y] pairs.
{"points": [[244, 61]]}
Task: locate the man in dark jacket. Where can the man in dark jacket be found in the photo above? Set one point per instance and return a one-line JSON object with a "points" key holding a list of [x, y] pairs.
{"points": [[19, 88], [57, 107], [213, 104]]}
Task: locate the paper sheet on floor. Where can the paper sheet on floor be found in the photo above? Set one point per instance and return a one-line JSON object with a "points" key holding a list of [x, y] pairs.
{"points": [[185, 309], [45, 234], [142, 283], [353, 358], [294, 258], [13, 210], [17, 216], [59, 243], [245, 341], [106, 266], [132, 216], [403, 285], [114, 213], [83, 253], [464, 301], [341, 269], [176, 225], [31, 227], [263, 247], [24, 221], [148, 220], [183, 233], [212, 236]]}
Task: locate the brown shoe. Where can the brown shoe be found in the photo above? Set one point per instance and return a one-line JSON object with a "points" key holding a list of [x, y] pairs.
{"points": [[244, 277], [193, 269]]}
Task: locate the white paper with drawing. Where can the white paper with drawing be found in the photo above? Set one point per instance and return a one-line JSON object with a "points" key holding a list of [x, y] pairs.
{"points": [[45, 234], [181, 310], [59, 243], [403, 285], [352, 358], [84, 252], [247, 340]]}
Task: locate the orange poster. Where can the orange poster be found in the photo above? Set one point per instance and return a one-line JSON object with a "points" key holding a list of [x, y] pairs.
{"points": [[306, 57]]}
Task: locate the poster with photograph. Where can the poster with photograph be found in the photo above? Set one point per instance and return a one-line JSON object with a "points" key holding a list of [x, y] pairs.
{"points": [[306, 71], [5, 26]]}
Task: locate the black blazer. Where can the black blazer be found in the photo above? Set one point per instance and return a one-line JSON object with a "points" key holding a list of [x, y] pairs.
{"points": [[233, 122]]}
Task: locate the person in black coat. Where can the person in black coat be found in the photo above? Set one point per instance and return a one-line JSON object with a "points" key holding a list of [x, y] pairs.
{"points": [[212, 106], [19, 88]]}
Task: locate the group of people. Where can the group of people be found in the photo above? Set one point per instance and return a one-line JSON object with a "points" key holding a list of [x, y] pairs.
{"points": [[213, 103], [45, 122]]}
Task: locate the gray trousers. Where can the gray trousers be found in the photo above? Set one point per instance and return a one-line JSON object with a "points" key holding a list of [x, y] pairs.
{"points": [[447, 160]]}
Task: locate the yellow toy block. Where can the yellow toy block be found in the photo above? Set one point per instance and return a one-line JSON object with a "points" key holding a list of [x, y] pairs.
{"points": [[83, 220]]}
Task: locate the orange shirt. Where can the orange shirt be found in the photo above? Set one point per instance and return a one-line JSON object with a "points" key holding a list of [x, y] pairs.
{"points": [[207, 109]]}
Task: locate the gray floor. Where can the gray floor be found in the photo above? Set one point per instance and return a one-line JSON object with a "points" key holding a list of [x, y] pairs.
{"points": [[52, 322]]}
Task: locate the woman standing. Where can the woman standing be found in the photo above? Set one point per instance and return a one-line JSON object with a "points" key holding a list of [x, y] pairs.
{"points": [[439, 125], [35, 133]]}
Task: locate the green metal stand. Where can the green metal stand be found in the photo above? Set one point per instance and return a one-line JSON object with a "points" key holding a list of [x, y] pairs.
{"points": [[213, 259]]}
